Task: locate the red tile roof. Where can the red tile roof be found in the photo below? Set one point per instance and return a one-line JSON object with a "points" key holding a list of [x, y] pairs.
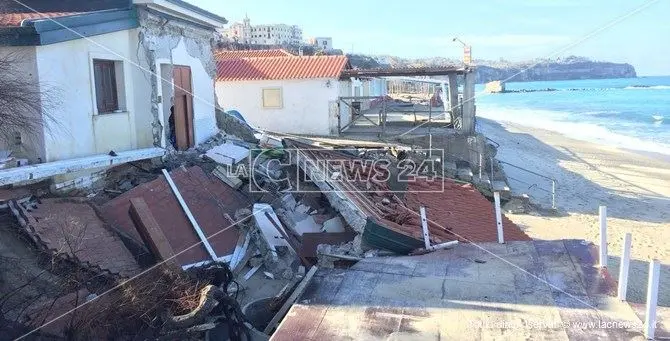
{"points": [[210, 200], [15, 19], [275, 68], [462, 209], [455, 211], [237, 54]]}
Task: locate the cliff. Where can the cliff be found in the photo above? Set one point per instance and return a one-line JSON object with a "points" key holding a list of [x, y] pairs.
{"points": [[533, 70]]}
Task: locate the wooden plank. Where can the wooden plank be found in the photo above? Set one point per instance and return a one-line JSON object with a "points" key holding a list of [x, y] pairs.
{"points": [[150, 231], [289, 302], [301, 323]]}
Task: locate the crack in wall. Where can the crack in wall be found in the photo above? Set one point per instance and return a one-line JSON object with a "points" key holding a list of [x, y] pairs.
{"points": [[158, 37]]}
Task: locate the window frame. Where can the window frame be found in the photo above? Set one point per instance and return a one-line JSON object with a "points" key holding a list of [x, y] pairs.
{"points": [[123, 98], [281, 97], [106, 65]]}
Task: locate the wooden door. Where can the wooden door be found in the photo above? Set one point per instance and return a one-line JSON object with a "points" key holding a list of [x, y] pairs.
{"points": [[183, 107]]}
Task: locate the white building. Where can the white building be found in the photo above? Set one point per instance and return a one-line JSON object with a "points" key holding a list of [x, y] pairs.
{"points": [[276, 34], [288, 94], [117, 81], [325, 43]]}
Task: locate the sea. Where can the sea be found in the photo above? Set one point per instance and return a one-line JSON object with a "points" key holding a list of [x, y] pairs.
{"points": [[631, 113]]}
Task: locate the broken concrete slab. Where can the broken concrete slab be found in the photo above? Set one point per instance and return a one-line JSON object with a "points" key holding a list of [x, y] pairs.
{"points": [[307, 225], [270, 233], [334, 225], [228, 153], [44, 170]]}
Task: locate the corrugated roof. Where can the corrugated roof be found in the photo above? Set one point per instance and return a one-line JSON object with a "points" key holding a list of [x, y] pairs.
{"points": [[237, 54], [15, 19], [275, 68]]}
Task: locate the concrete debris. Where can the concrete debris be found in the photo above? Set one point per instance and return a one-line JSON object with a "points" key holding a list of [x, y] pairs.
{"points": [[267, 141], [307, 225], [227, 122], [228, 153], [518, 205], [221, 173], [251, 272], [273, 237], [334, 225]]}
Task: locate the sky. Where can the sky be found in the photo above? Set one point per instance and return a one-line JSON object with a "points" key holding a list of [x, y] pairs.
{"points": [[631, 31]]}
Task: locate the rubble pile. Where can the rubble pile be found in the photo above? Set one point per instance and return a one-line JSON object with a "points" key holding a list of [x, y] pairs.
{"points": [[242, 222]]}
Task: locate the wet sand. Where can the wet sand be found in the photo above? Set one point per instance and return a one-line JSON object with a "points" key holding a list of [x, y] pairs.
{"points": [[634, 186]]}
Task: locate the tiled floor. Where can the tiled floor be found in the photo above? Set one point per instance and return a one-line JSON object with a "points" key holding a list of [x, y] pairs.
{"points": [[517, 291]]}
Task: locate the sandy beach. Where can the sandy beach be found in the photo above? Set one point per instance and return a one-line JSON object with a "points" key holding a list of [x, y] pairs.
{"points": [[635, 187]]}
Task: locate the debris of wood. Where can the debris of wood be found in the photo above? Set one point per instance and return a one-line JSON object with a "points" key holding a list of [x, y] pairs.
{"points": [[150, 231], [289, 302]]}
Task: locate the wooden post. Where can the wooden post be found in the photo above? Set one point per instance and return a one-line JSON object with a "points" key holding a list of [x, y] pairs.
{"points": [[496, 198], [623, 267], [603, 236], [424, 225], [652, 299]]}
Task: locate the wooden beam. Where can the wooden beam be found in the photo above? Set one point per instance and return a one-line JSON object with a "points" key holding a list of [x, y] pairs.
{"points": [[150, 231], [289, 302]]}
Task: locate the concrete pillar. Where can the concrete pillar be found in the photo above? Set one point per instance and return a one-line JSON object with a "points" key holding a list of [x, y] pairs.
{"points": [[452, 95], [469, 103]]}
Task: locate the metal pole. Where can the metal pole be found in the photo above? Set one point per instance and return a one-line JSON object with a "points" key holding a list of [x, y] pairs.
{"points": [[652, 299], [623, 267], [499, 225], [603, 236], [424, 226]]}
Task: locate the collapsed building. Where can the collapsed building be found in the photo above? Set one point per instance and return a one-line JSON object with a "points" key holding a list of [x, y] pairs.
{"points": [[209, 227]]}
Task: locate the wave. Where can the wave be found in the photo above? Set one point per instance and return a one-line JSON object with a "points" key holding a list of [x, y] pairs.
{"points": [[644, 87], [559, 121], [629, 87]]}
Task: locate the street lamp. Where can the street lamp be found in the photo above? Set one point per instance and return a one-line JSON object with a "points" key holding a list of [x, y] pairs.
{"points": [[467, 51]]}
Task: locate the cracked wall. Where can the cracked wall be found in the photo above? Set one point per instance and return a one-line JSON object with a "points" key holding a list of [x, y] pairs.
{"points": [[169, 41]]}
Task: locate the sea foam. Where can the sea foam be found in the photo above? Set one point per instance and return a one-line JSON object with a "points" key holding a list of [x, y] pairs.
{"points": [[564, 123]]}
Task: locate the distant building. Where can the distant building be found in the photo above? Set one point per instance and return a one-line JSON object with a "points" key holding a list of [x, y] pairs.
{"points": [[325, 43], [494, 87], [284, 93], [276, 34]]}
